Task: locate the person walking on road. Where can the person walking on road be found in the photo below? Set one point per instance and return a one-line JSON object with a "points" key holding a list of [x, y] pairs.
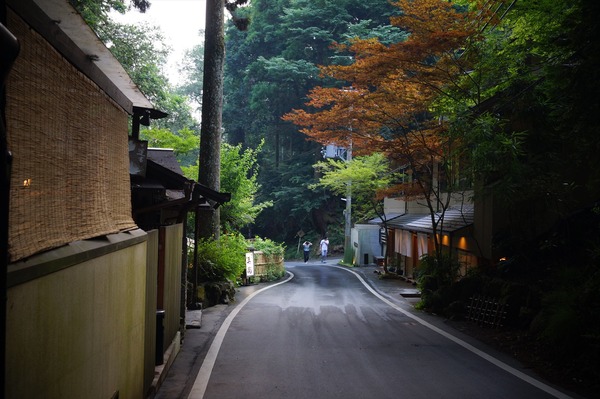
{"points": [[306, 246], [324, 245]]}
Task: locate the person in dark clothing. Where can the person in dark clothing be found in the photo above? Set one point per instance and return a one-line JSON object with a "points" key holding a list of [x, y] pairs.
{"points": [[306, 246]]}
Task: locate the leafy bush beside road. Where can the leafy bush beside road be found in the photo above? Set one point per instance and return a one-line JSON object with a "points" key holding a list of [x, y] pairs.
{"points": [[226, 259], [223, 259]]}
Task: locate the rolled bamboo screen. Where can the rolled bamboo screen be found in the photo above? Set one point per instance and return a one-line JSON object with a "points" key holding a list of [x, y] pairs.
{"points": [[70, 173]]}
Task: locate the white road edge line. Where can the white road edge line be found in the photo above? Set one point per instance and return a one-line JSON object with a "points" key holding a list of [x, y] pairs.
{"points": [[538, 384], [201, 382]]}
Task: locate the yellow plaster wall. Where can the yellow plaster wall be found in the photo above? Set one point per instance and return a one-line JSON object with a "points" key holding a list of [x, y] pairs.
{"points": [[79, 332]]}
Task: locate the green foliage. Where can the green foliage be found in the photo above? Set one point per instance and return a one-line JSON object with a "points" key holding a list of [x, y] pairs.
{"points": [[273, 253], [274, 273], [436, 274], [224, 259], [559, 324], [518, 111], [181, 143], [180, 115], [143, 54], [141, 50], [284, 70], [386, 34], [293, 252], [268, 246], [239, 172], [494, 154], [269, 69], [95, 12], [295, 206], [568, 318], [193, 70], [365, 176]]}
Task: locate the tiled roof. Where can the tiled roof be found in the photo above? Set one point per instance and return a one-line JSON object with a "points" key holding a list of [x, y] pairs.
{"points": [[165, 157], [389, 217]]}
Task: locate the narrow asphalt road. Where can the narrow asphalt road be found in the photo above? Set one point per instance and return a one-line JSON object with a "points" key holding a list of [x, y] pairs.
{"points": [[324, 333]]}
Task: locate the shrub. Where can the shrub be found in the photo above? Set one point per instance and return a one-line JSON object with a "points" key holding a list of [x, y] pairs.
{"points": [[223, 259], [268, 247], [436, 276]]}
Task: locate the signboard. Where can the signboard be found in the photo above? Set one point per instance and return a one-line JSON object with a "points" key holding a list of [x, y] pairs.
{"points": [[382, 236], [249, 264]]}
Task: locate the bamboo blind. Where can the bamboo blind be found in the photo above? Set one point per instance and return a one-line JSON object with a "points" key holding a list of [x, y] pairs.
{"points": [[70, 174]]}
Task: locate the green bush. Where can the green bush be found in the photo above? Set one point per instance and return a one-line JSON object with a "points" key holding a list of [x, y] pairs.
{"points": [[273, 273], [224, 259], [295, 253], [268, 247], [435, 277]]}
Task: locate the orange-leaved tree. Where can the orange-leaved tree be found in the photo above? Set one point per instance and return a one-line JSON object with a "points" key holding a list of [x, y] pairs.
{"points": [[390, 98]]}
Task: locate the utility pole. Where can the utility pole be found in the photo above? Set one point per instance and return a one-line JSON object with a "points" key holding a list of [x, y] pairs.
{"points": [[348, 251], [344, 154]]}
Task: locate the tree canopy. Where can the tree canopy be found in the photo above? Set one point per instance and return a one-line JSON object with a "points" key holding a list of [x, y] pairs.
{"points": [[472, 96], [142, 51], [269, 70], [386, 100], [368, 176], [239, 174], [96, 12]]}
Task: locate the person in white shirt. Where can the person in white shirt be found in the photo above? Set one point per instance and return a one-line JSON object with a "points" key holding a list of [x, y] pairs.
{"points": [[324, 245]]}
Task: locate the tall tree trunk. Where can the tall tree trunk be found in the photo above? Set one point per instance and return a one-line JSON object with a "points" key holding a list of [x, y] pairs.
{"points": [[212, 107]]}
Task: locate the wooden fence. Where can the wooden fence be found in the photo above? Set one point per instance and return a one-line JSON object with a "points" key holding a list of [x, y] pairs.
{"points": [[486, 311], [264, 264]]}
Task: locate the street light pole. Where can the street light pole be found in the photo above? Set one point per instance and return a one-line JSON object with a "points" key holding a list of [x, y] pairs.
{"points": [[348, 251]]}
